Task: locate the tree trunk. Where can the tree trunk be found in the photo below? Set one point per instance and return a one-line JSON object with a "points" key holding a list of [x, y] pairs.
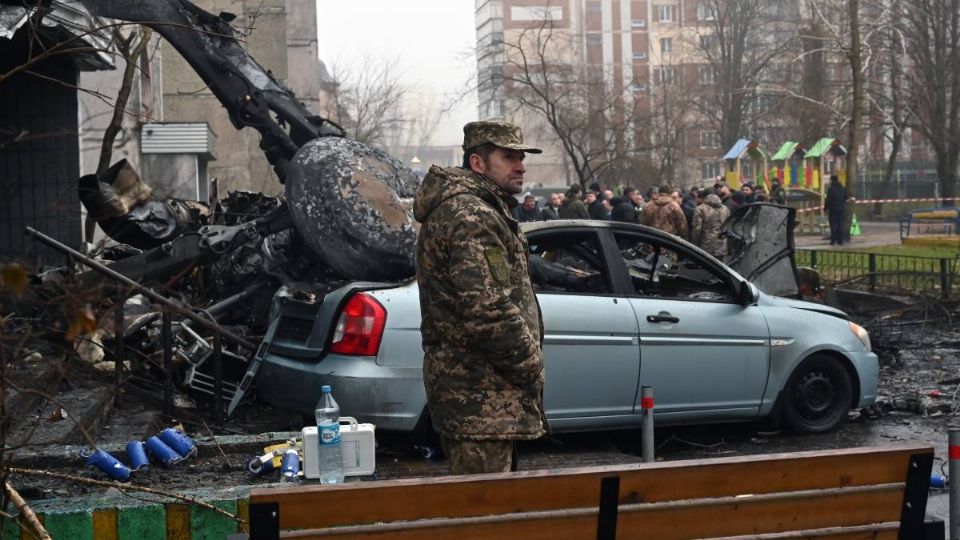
{"points": [[853, 138], [895, 113]]}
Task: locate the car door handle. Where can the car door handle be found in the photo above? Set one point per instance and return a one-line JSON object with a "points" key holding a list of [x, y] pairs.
{"points": [[662, 318]]}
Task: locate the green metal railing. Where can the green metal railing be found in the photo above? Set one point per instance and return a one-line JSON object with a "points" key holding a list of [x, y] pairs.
{"points": [[889, 273]]}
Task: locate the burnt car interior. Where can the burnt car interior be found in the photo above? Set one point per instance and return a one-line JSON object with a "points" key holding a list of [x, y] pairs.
{"points": [[662, 271], [570, 263]]}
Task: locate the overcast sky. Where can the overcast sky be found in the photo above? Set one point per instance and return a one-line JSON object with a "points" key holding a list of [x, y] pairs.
{"points": [[430, 39]]}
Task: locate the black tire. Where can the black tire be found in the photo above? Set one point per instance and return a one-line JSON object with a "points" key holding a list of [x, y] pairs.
{"points": [[817, 396]]}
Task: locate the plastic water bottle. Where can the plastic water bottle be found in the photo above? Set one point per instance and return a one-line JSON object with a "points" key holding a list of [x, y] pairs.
{"points": [[328, 437]]}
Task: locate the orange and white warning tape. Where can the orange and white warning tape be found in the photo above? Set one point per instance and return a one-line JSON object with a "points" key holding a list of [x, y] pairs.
{"points": [[874, 201]]}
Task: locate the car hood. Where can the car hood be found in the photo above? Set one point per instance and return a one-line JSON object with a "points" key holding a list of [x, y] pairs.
{"points": [[775, 301], [762, 247]]}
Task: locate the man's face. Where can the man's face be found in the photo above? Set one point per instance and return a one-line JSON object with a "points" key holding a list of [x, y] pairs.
{"points": [[636, 197], [529, 203], [503, 167], [590, 197], [554, 199], [675, 195], [724, 191], [607, 194], [747, 190]]}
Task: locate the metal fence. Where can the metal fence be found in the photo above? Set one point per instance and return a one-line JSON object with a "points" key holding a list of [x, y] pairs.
{"points": [[887, 273]]}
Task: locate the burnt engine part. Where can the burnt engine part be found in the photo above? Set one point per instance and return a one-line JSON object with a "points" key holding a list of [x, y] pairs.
{"points": [[352, 206]]}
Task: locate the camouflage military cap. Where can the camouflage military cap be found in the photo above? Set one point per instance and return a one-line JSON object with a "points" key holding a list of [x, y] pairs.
{"points": [[502, 134]]}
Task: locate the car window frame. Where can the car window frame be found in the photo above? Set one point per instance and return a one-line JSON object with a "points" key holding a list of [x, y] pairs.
{"points": [[614, 284]]}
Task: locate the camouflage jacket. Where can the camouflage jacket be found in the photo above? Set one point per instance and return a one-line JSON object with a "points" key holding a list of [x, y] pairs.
{"points": [[707, 219], [481, 325], [665, 214]]}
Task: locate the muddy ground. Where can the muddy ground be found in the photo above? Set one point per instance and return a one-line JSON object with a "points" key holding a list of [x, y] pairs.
{"points": [[919, 348]]}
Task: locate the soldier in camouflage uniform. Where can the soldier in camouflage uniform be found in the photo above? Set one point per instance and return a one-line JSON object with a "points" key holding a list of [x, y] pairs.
{"points": [[481, 325], [665, 214], [707, 219]]}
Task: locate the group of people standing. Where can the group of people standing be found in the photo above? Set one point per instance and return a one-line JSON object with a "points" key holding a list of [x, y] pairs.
{"points": [[695, 214]]}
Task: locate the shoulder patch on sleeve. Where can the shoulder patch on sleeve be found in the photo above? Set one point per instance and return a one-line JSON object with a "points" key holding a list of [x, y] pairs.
{"points": [[498, 265]]}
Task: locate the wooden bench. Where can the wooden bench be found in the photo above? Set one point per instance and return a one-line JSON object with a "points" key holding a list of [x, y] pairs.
{"points": [[857, 493], [945, 221]]}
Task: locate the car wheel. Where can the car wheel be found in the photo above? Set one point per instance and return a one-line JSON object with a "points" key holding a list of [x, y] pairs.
{"points": [[817, 396]]}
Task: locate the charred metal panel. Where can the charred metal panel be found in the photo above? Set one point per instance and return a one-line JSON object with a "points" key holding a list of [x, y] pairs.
{"points": [[762, 247], [352, 205]]}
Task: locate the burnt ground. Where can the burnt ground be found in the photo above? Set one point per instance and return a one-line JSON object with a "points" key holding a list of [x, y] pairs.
{"points": [[919, 390]]}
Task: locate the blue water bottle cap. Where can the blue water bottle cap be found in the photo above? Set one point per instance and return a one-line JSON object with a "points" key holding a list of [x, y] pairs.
{"points": [[325, 389]]}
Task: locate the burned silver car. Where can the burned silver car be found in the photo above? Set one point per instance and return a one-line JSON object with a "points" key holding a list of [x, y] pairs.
{"points": [[623, 306]]}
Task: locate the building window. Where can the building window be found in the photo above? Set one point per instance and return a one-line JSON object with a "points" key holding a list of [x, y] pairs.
{"points": [[709, 139], [638, 23], [638, 86], [667, 13], [707, 42], [639, 55], [594, 39], [709, 170], [594, 7], [707, 11], [666, 45], [536, 13], [708, 75], [665, 76]]}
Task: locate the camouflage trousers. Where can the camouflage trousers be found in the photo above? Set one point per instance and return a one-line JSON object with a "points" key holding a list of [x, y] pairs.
{"points": [[479, 457]]}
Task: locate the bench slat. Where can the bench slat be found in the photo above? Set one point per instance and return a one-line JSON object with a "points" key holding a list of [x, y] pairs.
{"points": [[826, 514], [415, 499]]}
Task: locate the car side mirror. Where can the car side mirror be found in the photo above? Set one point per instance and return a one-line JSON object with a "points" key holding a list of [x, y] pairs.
{"points": [[749, 294]]}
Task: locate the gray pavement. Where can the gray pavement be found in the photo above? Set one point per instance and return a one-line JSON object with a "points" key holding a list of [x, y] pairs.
{"points": [[872, 233]]}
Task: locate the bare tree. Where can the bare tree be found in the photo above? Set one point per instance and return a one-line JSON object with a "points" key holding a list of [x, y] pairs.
{"points": [[368, 99], [740, 40], [931, 31], [591, 115]]}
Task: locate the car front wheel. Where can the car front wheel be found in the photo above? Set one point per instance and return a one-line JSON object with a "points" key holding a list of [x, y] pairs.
{"points": [[817, 396]]}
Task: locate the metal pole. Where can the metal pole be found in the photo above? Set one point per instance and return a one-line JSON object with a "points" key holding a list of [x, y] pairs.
{"points": [[217, 381], [166, 338], [134, 286], [945, 278], [646, 406], [953, 451]]}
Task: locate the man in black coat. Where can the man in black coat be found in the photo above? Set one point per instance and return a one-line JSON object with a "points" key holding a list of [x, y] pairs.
{"points": [[625, 208], [835, 205]]}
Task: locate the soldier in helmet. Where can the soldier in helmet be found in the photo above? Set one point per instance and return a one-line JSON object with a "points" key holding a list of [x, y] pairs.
{"points": [[481, 325]]}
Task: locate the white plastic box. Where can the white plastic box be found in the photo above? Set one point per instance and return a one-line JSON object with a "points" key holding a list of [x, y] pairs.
{"points": [[356, 447]]}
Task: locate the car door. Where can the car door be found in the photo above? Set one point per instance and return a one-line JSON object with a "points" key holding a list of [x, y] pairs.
{"points": [[590, 347], [705, 354]]}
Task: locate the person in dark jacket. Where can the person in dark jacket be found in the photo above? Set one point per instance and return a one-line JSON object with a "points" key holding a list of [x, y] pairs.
{"points": [[835, 205], [552, 209], [624, 208], [527, 211], [595, 207], [572, 207]]}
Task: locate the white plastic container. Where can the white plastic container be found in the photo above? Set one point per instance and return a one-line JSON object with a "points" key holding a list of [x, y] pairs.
{"points": [[356, 447]]}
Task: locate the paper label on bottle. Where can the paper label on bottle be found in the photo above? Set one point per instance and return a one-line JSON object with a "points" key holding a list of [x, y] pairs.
{"points": [[329, 433]]}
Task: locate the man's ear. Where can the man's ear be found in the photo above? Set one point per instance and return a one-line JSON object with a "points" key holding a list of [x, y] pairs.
{"points": [[477, 165]]}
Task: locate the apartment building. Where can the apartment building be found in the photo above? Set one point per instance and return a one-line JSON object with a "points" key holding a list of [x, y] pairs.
{"points": [[652, 53]]}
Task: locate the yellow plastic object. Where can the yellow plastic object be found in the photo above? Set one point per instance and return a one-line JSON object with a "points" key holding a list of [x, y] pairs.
{"points": [[279, 455]]}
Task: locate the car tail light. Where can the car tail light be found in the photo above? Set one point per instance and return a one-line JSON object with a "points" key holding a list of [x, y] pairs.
{"points": [[360, 327]]}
